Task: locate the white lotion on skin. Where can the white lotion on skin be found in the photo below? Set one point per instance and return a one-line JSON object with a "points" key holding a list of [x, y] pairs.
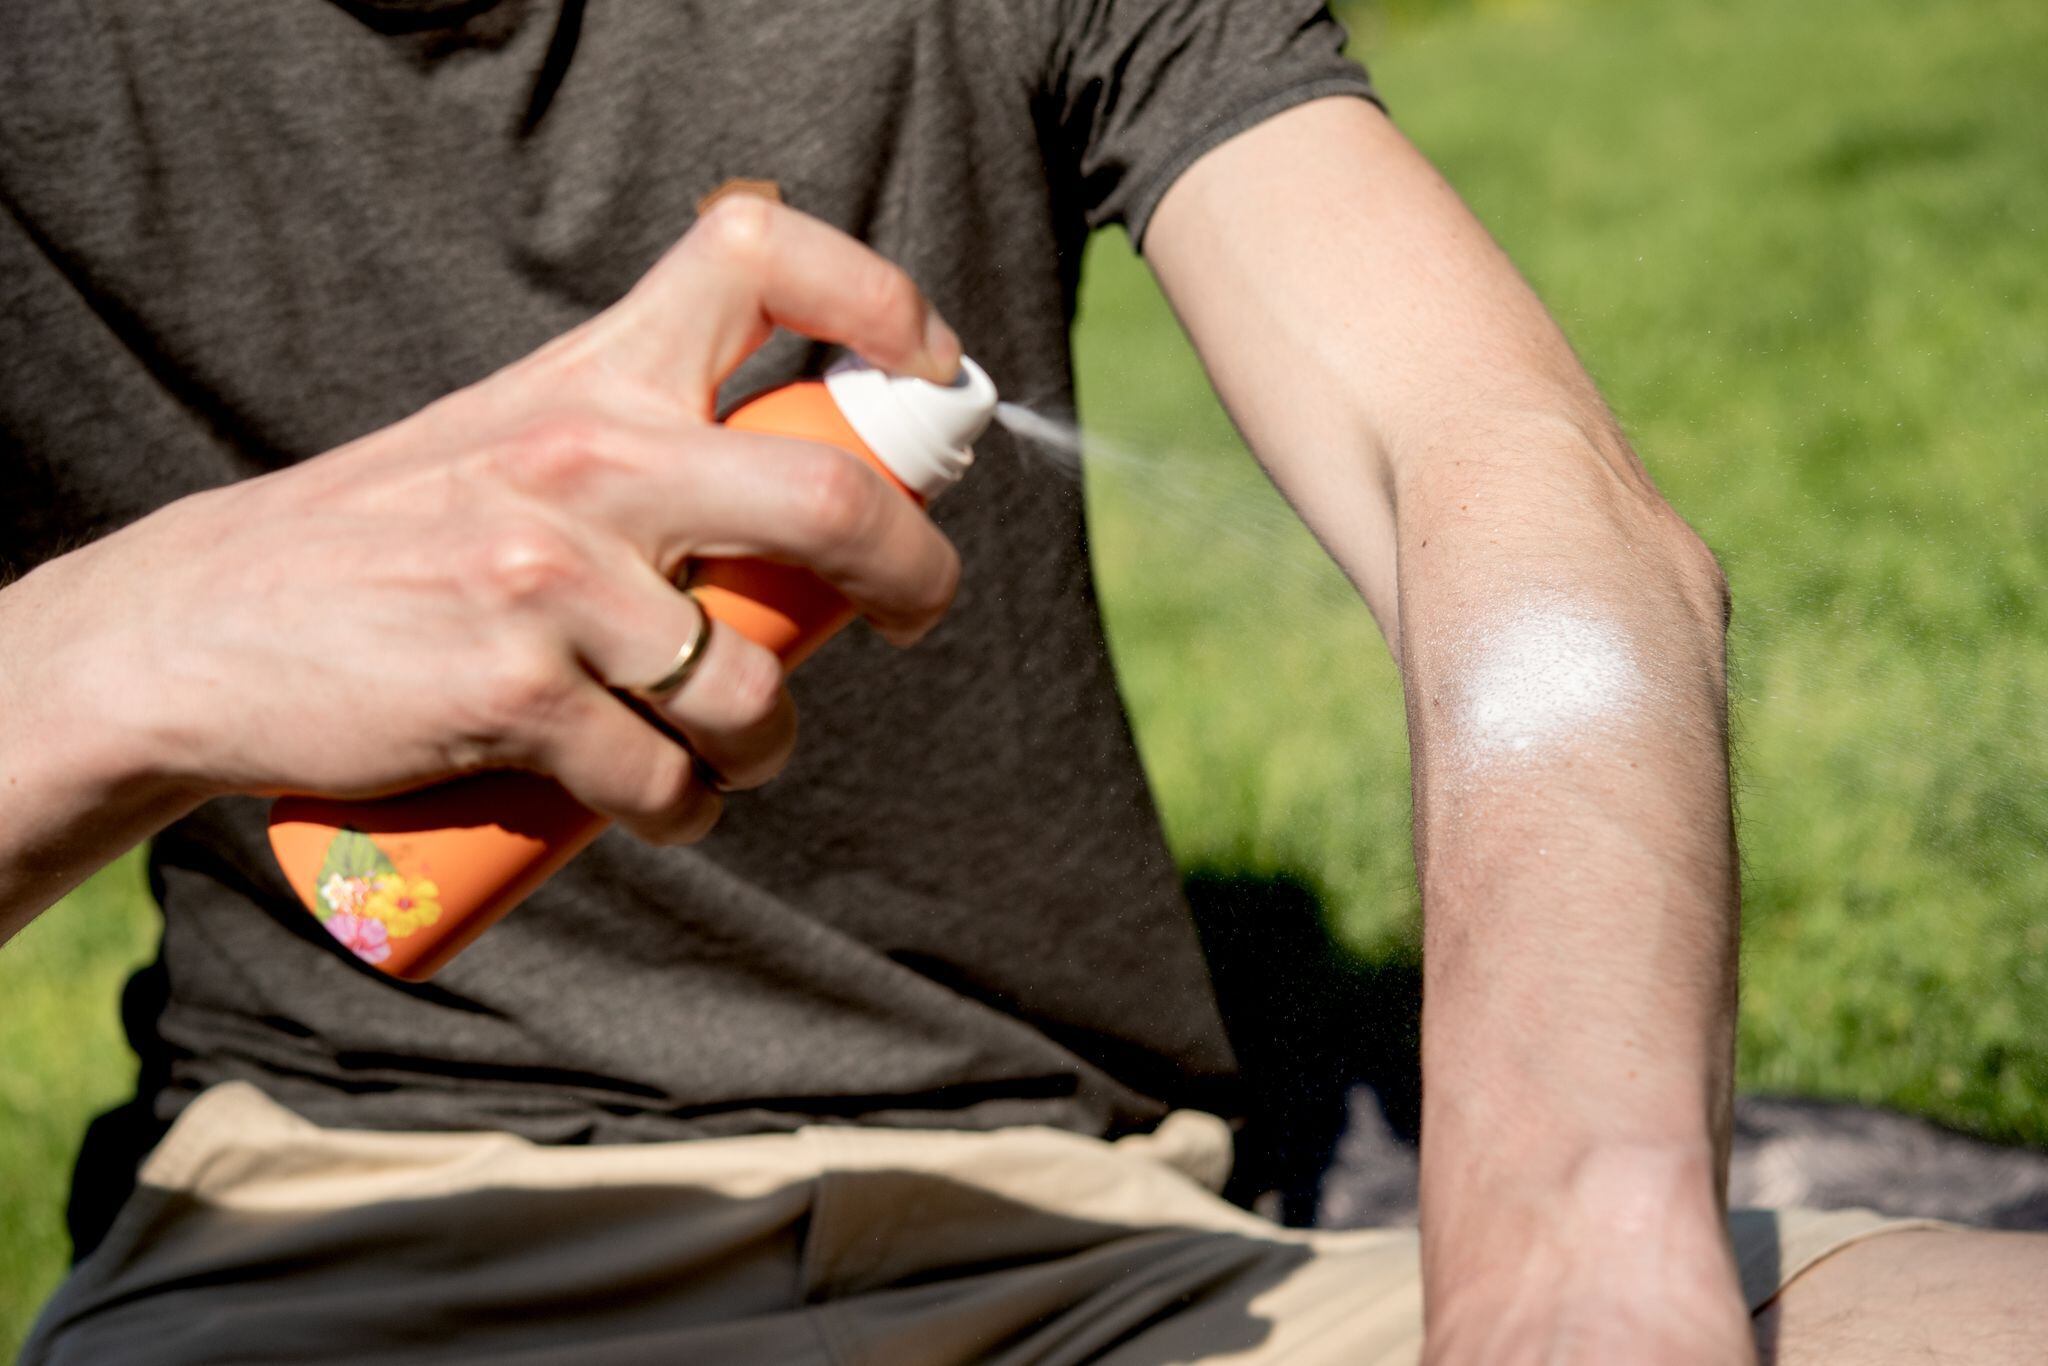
{"points": [[1539, 676]]}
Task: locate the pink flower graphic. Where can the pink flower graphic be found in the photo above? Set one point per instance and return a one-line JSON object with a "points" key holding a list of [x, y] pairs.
{"points": [[367, 939], [344, 893]]}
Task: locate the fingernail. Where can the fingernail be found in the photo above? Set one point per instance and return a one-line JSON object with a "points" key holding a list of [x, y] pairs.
{"points": [[710, 777], [941, 350], [902, 637]]}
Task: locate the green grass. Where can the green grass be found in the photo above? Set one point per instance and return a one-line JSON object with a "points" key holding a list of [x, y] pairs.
{"points": [[1800, 247], [60, 989]]}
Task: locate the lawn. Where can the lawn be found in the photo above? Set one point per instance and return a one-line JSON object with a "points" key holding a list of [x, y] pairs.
{"points": [[1800, 247]]}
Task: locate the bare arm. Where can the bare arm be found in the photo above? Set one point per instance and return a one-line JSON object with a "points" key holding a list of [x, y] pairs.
{"points": [[1560, 635]]}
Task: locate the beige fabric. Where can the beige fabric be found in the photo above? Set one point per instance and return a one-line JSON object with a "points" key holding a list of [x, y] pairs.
{"points": [[258, 1236]]}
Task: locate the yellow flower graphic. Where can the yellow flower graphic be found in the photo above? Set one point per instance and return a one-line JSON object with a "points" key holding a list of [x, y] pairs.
{"points": [[403, 906]]}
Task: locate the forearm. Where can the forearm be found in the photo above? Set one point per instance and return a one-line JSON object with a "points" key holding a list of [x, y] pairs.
{"points": [[77, 785], [1559, 630], [1561, 640]]}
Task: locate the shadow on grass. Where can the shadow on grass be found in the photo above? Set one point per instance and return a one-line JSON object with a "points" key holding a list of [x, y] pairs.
{"points": [[1310, 1024]]}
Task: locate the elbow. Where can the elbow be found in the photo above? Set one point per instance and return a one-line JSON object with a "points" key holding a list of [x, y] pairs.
{"points": [[1699, 578], [1696, 591]]}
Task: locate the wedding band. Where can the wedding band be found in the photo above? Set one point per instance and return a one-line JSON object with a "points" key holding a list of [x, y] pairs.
{"points": [[688, 656]]}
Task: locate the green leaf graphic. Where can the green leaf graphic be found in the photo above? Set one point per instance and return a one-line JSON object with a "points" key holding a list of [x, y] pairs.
{"points": [[353, 854]]}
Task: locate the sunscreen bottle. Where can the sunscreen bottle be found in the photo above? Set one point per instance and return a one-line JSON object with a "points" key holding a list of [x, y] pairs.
{"points": [[408, 882]]}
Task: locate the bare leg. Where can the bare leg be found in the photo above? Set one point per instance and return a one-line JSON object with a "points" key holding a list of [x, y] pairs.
{"points": [[1921, 1297]]}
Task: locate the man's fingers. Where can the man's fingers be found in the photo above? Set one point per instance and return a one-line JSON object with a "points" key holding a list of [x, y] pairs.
{"points": [[808, 504], [619, 766], [750, 265], [707, 492], [731, 708]]}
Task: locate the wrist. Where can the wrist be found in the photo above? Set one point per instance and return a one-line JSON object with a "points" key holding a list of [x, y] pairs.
{"points": [[76, 787], [85, 725], [1654, 1203], [1625, 1257]]}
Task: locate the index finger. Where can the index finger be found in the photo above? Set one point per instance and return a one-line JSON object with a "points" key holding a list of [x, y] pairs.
{"points": [[750, 265], [786, 500]]}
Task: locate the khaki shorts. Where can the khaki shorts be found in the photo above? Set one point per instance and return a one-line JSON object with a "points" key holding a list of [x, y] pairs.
{"points": [[256, 1236]]}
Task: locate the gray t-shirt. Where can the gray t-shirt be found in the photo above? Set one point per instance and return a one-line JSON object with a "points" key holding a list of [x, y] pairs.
{"points": [[239, 235]]}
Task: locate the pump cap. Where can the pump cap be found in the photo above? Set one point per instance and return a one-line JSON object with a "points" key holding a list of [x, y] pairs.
{"points": [[920, 430]]}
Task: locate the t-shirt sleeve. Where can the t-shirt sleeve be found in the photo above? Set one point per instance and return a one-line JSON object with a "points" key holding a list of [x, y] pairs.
{"points": [[1142, 88]]}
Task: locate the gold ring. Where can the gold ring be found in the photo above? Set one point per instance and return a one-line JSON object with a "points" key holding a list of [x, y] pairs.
{"points": [[688, 657]]}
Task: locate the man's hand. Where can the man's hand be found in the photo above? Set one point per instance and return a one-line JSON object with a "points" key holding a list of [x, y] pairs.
{"points": [[1560, 637], [471, 587]]}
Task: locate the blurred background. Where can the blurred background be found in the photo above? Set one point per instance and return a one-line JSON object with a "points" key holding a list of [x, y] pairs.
{"points": [[1800, 246]]}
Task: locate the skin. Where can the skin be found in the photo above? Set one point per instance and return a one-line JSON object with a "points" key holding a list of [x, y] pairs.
{"points": [[530, 526], [1560, 633], [1913, 1298]]}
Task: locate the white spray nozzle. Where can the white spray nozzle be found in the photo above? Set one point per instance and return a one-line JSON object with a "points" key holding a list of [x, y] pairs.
{"points": [[920, 430]]}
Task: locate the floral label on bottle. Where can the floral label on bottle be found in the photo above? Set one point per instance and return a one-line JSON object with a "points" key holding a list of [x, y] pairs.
{"points": [[368, 902]]}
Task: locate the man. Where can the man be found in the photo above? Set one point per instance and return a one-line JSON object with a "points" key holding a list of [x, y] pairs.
{"points": [[361, 322]]}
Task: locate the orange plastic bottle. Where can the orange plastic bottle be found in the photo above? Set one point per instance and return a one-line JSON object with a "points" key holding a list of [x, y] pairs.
{"points": [[408, 882]]}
